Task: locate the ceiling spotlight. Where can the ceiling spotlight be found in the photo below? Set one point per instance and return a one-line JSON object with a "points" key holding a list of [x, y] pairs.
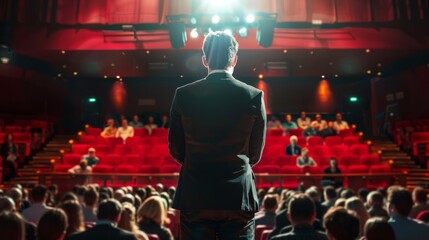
{"points": [[193, 20], [336, 75], [118, 77], [379, 74], [242, 32], [323, 76], [368, 72], [75, 73], [5, 60], [260, 76], [63, 52], [59, 75], [105, 76], [215, 19], [368, 50], [194, 33], [228, 31], [285, 51], [250, 18]]}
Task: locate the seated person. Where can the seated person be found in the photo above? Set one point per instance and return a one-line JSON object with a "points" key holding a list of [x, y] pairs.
{"points": [[339, 124], [267, 216], [313, 130], [165, 123], [90, 158], [329, 131], [332, 169], [274, 123], [420, 202], [289, 124], [125, 131], [303, 121], [135, 123], [150, 124], [81, 168], [304, 160], [341, 223], [110, 130], [375, 203], [9, 153], [322, 123], [293, 149]]}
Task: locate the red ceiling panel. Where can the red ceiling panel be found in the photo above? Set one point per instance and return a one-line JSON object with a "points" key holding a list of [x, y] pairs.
{"points": [[321, 10], [292, 11], [92, 12], [353, 11], [133, 11], [383, 10], [67, 11]]}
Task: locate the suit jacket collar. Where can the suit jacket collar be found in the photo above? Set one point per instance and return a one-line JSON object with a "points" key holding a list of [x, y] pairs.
{"points": [[220, 76]]}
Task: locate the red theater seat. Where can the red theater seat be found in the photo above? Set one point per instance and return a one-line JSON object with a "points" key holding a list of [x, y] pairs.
{"points": [[126, 168], [314, 141], [333, 141], [153, 160], [297, 132], [351, 140], [168, 160], [22, 137], [260, 229], [141, 132], [159, 150], [72, 158], [62, 168], [112, 159], [153, 237], [141, 149], [122, 150], [163, 140], [291, 183], [13, 129], [171, 168], [359, 149], [275, 132], [132, 159], [379, 182], [357, 169], [276, 150], [160, 132], [346, 132], [100, 168], [321, 151], [149, 169], [103, 149], [102, 141], [132, 141], [80, 148], [302, 142], [95, 132], [348, 160], [150, 140], [340, 150], [266, 160], [369, 159], [87, 139], [285, 160]]}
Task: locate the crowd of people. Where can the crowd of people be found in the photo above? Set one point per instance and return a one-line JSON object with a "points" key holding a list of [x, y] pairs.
{"points": [[316, 127]]}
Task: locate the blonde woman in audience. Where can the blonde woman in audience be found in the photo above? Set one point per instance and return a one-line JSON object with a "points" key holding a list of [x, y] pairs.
{"points": [[12, 226], [128, 221], [355, 204], [151, 217], [52, 225], [125, 131], [74, 214], [110, 130]]}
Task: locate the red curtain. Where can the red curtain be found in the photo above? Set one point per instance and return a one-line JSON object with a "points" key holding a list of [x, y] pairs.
{"points": [[353, 11]]}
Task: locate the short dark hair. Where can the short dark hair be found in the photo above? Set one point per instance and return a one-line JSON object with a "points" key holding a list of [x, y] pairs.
{"points": [[347, 193], [342, 224], [301, 208], [38, 193], [270, 202], [376, 197], [420, 195], [52, 224], [109, 209], [220, 49], [330, 192], [6, 204], [363, 193], [378, 228], [401, 199], [90, 197], [12, 225]]}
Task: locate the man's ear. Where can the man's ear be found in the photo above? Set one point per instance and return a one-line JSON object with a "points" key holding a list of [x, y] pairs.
{"points": [[235, 61], [205, 63]]}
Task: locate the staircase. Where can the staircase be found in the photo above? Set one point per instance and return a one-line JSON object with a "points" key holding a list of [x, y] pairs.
{"points": [[41, 162], [401, 162]]}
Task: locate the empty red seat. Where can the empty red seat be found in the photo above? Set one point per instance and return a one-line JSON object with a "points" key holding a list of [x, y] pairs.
{"points": [[346, 132], [71, 158], [153, 160], [103, 149], [297, 132], [266, 169], [285, 160], [122, 149], [351, 140], [275, 132], [80, 148], [302, 142], [153, 237], [163, 140], [276, 150], [378, 182], [266, 160], [333, 141], [141, 132], [102, 141], [370, 159], [126, 168], [22, 137], [87, 139], [357, 169], [149, 169], [159, 150], [95, 132], [292, 182], [359, 149], [271, 140], [100, 168], [313, 170], [132, 159], [259, 229], [171, 168], [111, 159], [159, 132], [150, 140], [314, 141], [340, 150], [63, 167], [348, 160], [321, 150], [132, 141], [141, 149], [13, 129], [168, 160]]}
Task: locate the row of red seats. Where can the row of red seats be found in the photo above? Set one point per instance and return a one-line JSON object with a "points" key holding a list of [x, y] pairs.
{"points": [[299, 132], [419, 138], [148, 140], [141, 149], [323, 150], [313, 141], [139, 132]]}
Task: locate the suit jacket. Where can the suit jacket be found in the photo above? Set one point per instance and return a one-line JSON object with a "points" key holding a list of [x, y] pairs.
{"points": [[297, 150], [102, 232], [217, 133]]}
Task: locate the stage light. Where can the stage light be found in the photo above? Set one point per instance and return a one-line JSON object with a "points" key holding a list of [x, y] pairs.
{"points": [[242, 32], [368, 72], [265, 32], [75, 73], [250, 18], [215, 19], [177, 33], [228, 31], [379, 74], [260, 76], [323, 76], [193, 20], [5, 60], [194, 33], [118, 77]]}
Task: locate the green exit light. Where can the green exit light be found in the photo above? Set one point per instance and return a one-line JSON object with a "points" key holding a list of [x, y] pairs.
{"points": [[353, 99], [92, 100]]}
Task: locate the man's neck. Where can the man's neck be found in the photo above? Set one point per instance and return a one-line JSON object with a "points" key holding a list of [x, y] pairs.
{"points": [[229, 70]]}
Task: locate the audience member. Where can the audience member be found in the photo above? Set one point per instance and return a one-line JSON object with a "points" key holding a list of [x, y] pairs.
{"points": [[53, 190], [12, 226], [9, 153], [151, 217], [355, 204], [135, 123], [375, 205], [329, 131], [16, 195], [38, 206], [74, 214], [312, 130], [91, 158], [314, 195], [274, 123], [399, 204], [304, 160], [339, 124], [340, 202], [81, 168], [128, 221], [347, 193], [330, 196], [52, 225], [303, 121], [288, 123], [378, 228], [90, 199], [150, 125], [332, 169], [68, 196], [322, 123], [301, 212], [7, 204], [293, 149], [341, 224], [420, 202], [125, 131], [363, 194], [268, 214], [108, 214], [165, 123], [110, 130]]}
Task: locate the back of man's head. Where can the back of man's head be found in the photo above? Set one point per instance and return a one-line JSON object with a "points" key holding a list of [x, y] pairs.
{"points": [[90, 197], [313, 194], [52, 225], [400, 201], [341, 224], [330, 193], [220, 50], [419, 195], [6, 204], [16, 195], [375, 198], [347, 193], [38, 193], [301, 209], [270, 202], [109, 210]]}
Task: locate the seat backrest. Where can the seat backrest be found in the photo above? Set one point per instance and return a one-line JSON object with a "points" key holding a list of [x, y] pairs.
{"points": [[136, 140], [265, 234], [321, 150], [259, 229], [132, 159], [80, 148], [71, 158], [153, 237], [314, 141], [93, 131], [348, 160], [380, 168], [333, 140], [423, 216], [87, 139], [13, 129], [359, 149], [350, 140], [370, 159], [141, 132], [275, 132], [153, 160], [340, 150], [285, 160], [291, 170], [297, 132], [357, 169], [112, 159], [159, 132]]}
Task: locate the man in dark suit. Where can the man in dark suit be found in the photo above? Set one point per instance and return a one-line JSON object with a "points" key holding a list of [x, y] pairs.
{"points": [[293, 149], [108, 214], [217, 133]]}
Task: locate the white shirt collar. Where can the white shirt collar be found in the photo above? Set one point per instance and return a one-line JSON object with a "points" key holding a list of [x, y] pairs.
{"points": [[220, 71]]}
